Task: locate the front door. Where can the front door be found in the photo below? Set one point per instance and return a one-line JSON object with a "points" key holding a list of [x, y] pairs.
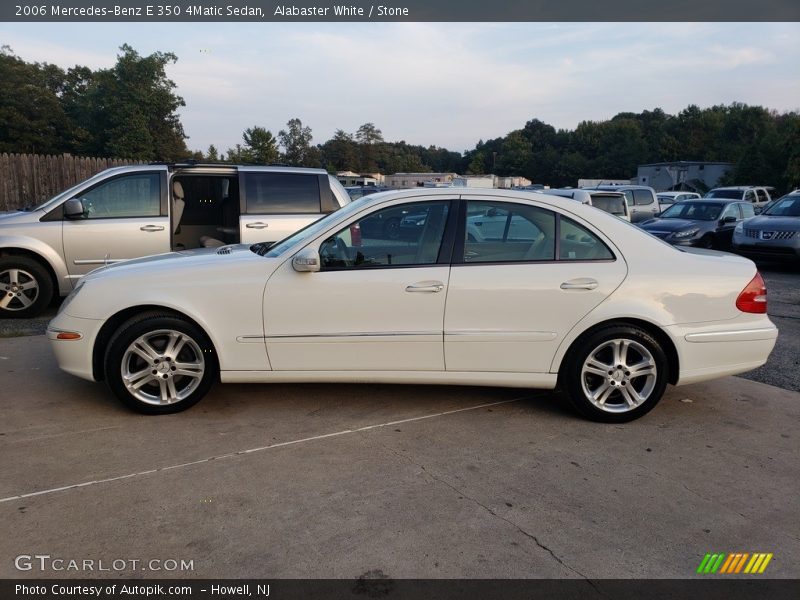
{"points": [[377, 303], [122, 219], [516, 291]]}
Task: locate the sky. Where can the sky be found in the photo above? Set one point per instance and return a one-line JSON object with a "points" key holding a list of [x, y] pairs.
{"points": [[443, 84]]}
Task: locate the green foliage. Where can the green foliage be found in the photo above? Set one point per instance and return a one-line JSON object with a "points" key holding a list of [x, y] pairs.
{"points": [[260, 146], [127, 111], [296, 143]]}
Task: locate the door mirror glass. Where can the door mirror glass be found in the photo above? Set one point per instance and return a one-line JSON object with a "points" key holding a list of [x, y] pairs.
{"points": [[306, 261], [73, 208]]}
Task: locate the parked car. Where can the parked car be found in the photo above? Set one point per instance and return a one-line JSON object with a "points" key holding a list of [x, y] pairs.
{"points": [[590, 303], [610, 202], [641, 199], [758, 196], [667, 199], [703, 223], [774, 234], [129, 212]]}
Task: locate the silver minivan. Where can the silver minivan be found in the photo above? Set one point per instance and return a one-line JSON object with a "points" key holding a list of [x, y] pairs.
{"points": [[129, 212]]}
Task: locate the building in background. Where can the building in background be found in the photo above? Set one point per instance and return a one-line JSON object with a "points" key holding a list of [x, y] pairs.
{"points": [[695, 176], [349, 179], [591, 183], [508, 183], [410, 180], [475, 181]]}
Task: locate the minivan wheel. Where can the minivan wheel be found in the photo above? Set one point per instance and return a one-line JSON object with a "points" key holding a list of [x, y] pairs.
{"points": [[25, 287], [158, 364], [616, 374]]}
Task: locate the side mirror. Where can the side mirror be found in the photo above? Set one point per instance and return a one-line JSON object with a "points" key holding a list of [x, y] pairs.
{"points": [[729, 219], [306, 261], [73, 208]]}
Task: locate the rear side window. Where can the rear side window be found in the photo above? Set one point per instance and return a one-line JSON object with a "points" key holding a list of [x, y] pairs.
{"points": [[747, 211], [281, 193], [641, 197], [578, 243]]}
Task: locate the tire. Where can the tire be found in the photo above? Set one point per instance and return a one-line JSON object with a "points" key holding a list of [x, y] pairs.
{"points": [[26, 287], [598, 376], [707, 241], [168, 381]]}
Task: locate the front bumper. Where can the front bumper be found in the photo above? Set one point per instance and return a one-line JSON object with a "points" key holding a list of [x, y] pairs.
{"points": [[74, 356], [767, 250]]}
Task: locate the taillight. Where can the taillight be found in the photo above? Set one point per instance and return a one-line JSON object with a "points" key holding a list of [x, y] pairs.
{"points": [[753, 298]]}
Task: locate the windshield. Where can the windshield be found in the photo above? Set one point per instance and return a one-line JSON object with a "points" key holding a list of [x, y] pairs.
{"points": [[785, 207], [733, 194], [696, 211], [311, 230]]}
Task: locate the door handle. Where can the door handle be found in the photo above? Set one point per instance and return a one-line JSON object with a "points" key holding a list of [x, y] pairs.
{"points": [[152, 228], [257, 225], [430, 287], [584, 283]]}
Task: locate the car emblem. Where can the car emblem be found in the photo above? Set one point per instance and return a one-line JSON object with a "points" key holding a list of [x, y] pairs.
{"points": [[767, 235]]}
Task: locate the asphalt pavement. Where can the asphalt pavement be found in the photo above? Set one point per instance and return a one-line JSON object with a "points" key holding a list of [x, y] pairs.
{"points": [[345, 481]]}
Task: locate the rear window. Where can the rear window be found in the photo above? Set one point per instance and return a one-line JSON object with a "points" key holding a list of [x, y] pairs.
{"points": [[735, 194], [610, 204], [281, 193]]}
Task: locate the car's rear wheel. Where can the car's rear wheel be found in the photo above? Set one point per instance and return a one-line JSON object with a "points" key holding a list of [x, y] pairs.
{"points": [[616, 374], [25, 287], [159, 363]]}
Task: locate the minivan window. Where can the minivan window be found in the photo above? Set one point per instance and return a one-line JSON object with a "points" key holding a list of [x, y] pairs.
{"points": [[281, 193], [641, 197], [127, 196]]}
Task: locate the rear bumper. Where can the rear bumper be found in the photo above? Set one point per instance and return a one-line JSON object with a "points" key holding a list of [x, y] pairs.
{"points": [[74, 356], [720, 349]]}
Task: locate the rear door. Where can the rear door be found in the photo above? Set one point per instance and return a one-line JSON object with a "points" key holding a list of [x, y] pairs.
{"points": [[275, 204], [512, 298], [124, 217], [644, 205]]}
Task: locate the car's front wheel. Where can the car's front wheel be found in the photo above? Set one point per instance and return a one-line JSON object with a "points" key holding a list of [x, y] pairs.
{"points": [[25, 287], [616, 374], [160, 363]]}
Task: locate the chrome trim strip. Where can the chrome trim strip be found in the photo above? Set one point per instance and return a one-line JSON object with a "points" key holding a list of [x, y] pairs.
{"points": [[362, 334], [741, 335], [97, 261]]}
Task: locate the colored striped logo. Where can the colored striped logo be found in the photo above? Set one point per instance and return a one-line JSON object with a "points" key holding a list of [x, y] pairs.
{"points": [[737, 562]]}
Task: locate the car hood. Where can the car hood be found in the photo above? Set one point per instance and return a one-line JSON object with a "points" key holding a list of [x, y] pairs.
{"points": [[674, 224], [177, 262], [773, 223]]}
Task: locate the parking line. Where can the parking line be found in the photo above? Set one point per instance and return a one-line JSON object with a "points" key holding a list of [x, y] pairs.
{"points": [[258, 449]]}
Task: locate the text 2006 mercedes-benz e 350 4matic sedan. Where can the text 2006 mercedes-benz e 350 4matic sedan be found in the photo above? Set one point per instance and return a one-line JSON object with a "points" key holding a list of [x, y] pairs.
{"points": [[484, 287]]}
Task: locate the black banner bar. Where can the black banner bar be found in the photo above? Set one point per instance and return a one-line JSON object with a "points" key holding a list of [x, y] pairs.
{"points": [[742, 587], [398, 10]]}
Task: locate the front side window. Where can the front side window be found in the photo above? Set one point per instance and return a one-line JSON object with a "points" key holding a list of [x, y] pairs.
{"points": [[506, 232], [281, 193], [398, 236], [642, 197], [762, 195], [747, 211], [749, 196], [731, 210], [128, 196]]}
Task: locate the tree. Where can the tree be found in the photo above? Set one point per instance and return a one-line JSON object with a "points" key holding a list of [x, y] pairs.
{"points": [[341, 152], [129, 110], [368, 136], [296, 142], [260, 146], [31, 116], [212, 154]]}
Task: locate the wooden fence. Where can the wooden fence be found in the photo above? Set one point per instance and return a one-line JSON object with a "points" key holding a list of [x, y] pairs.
{"points": [[29, 179]]}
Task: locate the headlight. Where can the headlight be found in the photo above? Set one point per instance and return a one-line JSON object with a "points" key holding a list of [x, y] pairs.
{"points": [[739, 227], [71, 296], [685, 234]]}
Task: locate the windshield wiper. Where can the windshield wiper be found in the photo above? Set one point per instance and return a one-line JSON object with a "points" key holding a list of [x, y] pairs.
{"points": [[261, 248]]}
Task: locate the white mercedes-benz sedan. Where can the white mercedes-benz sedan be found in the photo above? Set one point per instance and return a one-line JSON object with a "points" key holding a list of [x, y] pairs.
{"points": [[482, 287]]}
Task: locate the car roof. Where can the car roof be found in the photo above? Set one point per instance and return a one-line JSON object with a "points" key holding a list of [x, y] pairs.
{"points": [[210, 167], [737, 187]]}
